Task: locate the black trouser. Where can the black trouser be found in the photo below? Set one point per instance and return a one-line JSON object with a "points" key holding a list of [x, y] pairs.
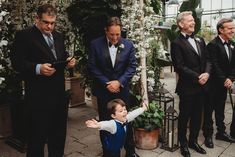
{"points": [[47, 125], [107, 153], [216, 102], [190, 108], [103, 115]]}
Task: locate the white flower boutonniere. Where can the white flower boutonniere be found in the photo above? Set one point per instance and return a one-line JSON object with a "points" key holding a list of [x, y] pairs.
{"points": [[231, 46], [198, 39], [120, 47]]}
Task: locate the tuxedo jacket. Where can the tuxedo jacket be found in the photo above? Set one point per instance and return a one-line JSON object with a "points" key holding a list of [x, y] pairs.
{"points": [[223, 67], [189, 64], [102, 71], [29, 49]]}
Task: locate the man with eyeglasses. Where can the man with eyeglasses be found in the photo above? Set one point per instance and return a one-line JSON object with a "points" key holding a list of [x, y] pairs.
{"points": [[34, 51]]}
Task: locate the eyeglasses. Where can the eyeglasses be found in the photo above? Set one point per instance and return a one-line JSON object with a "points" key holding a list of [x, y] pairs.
{"points": [[48, 23]]}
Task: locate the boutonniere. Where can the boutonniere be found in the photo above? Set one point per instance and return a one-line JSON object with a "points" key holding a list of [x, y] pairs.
{"points": [[120, 47], [198, 39], [231, 46]]}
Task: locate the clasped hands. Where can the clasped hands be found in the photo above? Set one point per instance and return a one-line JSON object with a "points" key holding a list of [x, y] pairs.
{"points": [[46, 69], [113, 86], [203, 78]]}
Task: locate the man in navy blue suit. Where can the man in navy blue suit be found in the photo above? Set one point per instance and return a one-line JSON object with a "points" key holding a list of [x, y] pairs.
{"points": [[112, 64]]}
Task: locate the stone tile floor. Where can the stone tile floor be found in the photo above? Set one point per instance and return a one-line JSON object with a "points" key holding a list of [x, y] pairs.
{"points": [[84, 142]]}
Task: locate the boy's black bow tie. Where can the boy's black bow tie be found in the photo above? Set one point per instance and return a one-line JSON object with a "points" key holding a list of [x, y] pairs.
{"points": [[116, 45], [189, 36], [125, 123]]}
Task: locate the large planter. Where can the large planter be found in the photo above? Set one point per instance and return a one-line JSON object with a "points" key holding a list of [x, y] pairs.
{"points": [[78, 93], [146, 139], [5, 120]]}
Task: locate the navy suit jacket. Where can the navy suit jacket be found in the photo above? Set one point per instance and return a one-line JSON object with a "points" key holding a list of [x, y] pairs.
{"points": [[102, 71], [189, 64]]}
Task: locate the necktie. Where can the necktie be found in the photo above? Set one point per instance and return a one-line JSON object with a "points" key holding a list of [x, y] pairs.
{"points": [[189, 36], [110, 44], [51, 45]]}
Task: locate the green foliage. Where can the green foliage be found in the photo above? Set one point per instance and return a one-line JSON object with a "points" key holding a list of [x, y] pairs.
{"points": [[206, 32], [156, 6], [151, 119], [189, 5]]}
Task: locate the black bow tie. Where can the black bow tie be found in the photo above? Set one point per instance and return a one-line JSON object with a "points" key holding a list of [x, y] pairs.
{"points": [[189, 36], [227, 43], [110, 44], [125, 123]]}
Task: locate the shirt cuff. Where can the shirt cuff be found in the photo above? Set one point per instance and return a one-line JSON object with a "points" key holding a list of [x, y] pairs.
{"points": [[38, 66]]}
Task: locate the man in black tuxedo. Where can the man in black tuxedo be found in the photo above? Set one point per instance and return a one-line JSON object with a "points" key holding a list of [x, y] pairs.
{"points": [[112, 64], [34, 51], [192, 65], [223, 61]]}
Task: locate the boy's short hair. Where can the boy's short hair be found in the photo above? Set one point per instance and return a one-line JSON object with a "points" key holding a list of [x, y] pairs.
{"points": [[111, 106]]}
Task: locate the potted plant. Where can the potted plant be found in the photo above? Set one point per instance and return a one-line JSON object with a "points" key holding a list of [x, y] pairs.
{"points": [[146, 126]]}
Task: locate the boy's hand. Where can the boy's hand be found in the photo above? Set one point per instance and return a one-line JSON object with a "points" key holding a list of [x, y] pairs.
{"points": [[145, 104], [92, 124]]}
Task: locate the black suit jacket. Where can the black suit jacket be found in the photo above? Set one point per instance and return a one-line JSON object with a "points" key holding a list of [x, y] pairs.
{"points": [[30, 49], [189, 64], [223, 67]]}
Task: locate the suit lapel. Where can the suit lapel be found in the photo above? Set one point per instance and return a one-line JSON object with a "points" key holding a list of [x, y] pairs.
{"points": [[119, 50], [186, 42], [198, 48], [42, 43], [107, 57], [57, 47], [221, 46]]}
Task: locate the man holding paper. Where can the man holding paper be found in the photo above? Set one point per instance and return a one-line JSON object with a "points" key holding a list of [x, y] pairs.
{"points": [[34, 51]]}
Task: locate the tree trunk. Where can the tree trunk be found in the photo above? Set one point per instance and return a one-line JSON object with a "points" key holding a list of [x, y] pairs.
{"points": [[144, 92]]}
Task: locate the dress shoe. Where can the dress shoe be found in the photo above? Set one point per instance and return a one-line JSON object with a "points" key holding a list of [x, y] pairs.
{"points": [[196, 147], [209, 142], [184, 151], [132, 155], [224, 137]]}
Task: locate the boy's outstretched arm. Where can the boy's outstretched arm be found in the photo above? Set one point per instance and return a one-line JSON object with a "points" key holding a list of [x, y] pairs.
{"points": [[93, 124]]}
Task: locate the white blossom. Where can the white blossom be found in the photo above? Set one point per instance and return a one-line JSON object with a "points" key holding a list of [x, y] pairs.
{"points": [[3, 43], [2, 79]]}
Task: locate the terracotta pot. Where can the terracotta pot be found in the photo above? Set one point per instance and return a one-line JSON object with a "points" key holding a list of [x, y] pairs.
{"points": [[146, 139], [78, 93]]}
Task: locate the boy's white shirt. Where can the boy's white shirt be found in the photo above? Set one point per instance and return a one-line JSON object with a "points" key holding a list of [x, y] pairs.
{"points": [[110, 125]]}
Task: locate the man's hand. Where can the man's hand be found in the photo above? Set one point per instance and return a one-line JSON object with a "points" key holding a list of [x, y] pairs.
{"points": [[203, 78], [113, 86], [71, 62], [228, 83], [46, 69]]}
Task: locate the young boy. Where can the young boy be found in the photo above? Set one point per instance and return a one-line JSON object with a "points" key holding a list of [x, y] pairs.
{"points": [[115, 128]]}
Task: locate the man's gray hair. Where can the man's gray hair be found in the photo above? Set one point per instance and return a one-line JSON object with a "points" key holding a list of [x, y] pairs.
{"points": [[221, 23], [181, 16]]}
